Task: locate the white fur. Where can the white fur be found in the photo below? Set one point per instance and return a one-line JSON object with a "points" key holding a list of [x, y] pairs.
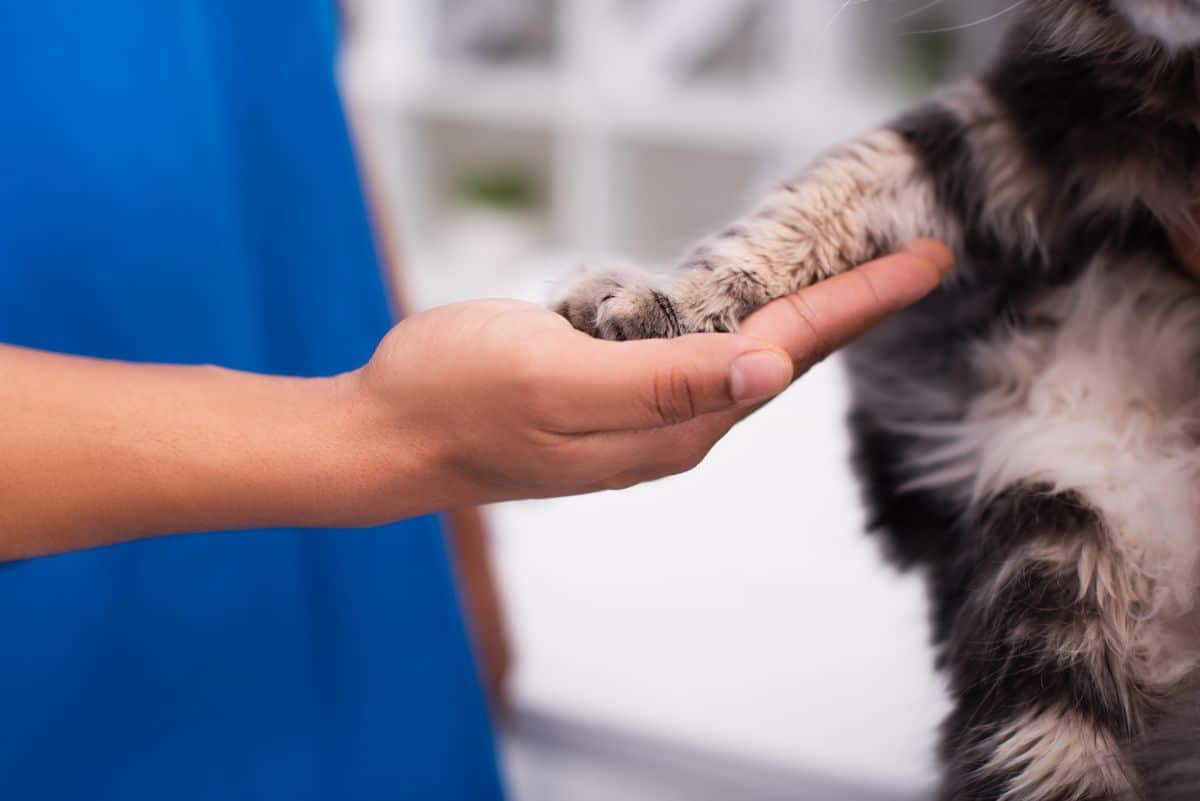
{"points": [[1100, 395], [1052, 750], [1175, 23]]}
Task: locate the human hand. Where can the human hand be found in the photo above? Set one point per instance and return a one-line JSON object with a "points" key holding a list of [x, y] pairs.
{"points": [[503, 399], [462, 405], [496, 400]]}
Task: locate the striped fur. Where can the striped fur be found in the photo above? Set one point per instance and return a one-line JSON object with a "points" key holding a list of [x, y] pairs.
{"points": [[1029, 434]]}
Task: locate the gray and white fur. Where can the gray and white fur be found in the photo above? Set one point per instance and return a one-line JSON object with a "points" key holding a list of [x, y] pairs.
{"points": [[1028, 435]]}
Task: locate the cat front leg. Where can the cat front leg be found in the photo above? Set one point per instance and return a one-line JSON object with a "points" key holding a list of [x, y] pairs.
{"points": [[858, 203]]}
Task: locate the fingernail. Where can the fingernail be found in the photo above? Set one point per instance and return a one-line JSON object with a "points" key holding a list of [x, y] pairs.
{"points": [[933, 251], [759, 375]]}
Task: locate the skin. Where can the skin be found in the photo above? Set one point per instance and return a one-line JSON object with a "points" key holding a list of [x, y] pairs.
{"points": [[463, 405]]}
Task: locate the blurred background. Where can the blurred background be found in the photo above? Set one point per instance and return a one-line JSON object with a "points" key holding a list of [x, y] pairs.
{"points": [[730, 633]]}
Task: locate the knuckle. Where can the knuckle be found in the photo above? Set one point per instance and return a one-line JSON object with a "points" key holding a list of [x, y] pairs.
{"points": [[673, 397], [870, 288], [819, 345], [552, 445]]}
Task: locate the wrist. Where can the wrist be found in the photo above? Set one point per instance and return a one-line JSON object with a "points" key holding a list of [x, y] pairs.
{"points": [[277, 451], [342, 459], [373, 461]]}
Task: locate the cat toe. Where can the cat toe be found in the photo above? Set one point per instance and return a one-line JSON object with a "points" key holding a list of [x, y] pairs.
{"points": [[619, 305]]}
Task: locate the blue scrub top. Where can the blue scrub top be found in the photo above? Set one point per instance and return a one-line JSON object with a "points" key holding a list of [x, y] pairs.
{"points": [[176, 184]]}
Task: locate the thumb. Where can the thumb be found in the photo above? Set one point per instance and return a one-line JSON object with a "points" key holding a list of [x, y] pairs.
{"points": [[662, 382]]}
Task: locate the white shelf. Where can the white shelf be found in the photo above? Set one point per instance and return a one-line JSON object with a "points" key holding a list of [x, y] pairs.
{"points": [[717, 115], [612, 134]]}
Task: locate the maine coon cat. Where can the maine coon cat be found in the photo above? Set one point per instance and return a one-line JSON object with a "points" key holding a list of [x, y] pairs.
{"points": [[1029, 435]]}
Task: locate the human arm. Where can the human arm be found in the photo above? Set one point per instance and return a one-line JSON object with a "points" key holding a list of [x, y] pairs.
{"points": [[467, 404]]}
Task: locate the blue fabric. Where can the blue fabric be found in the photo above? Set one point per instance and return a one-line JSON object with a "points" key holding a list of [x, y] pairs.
{"points": [[176, 184]]}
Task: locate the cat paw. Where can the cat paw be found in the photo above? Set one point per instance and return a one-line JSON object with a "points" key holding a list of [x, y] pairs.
{"points": [[621, 304]]}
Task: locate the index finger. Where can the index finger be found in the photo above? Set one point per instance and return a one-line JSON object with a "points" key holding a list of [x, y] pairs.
{"points": [[813, 323]]}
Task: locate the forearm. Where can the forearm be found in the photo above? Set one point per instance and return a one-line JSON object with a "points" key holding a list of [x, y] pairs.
{"points": [[463, 405], [95, 452]]}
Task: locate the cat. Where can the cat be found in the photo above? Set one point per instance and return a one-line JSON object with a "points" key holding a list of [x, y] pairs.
{"points": [[1028, 435]]}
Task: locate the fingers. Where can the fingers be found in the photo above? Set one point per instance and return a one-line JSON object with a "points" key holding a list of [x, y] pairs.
{"points": [[634, 457], [813, 323], [616, 386]]}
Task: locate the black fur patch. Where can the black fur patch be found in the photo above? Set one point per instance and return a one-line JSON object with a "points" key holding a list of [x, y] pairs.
{"points": [[1076, 118]]}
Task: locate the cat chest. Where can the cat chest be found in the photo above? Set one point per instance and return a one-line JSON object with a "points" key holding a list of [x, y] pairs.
{"points": [[1098, 394]]}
